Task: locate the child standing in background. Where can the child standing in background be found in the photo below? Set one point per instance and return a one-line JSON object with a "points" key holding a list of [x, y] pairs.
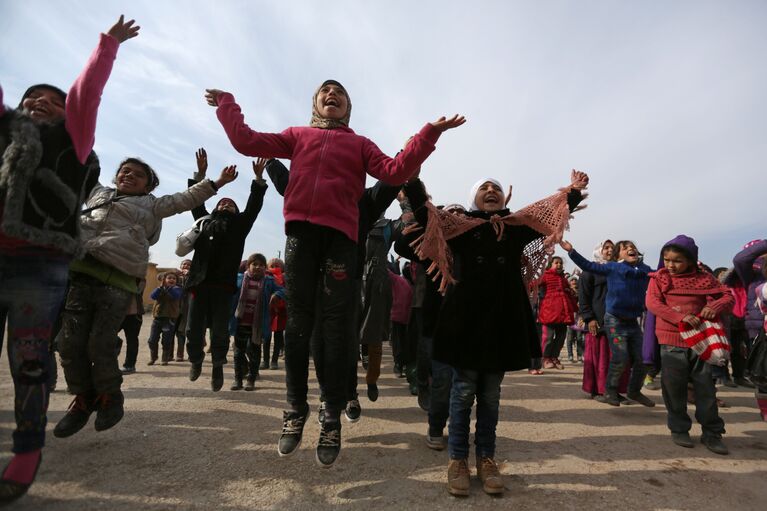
{"points": [[679, 292], [279, 313], [575, 331], [556, 313], [167, 300]]}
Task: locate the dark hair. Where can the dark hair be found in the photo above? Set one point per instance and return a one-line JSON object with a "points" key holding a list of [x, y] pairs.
{"points": [[45, 86], [619, 245], [152, 180], [718, 271], [680, 250], [256, 257], [551, 261]]}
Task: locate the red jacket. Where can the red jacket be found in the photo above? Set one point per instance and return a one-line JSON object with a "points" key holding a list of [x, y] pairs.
{"points": [[402, 297], [672, 297], [559, 303], [277, 308], [328, 166]]}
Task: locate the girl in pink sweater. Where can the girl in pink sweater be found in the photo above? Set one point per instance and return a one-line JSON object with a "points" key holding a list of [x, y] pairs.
{"points": [[327, 178], [680, 292]]}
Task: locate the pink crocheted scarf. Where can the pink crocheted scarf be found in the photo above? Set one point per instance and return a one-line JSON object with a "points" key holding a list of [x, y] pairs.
{"points": [[549, 216]]}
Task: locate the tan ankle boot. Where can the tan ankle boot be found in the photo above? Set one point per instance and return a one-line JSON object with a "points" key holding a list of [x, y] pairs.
{"points": [[458, 477], [488, 473]]}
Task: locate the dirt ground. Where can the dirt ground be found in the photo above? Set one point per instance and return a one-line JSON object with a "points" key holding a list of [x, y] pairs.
{"points": [[181, 446]]}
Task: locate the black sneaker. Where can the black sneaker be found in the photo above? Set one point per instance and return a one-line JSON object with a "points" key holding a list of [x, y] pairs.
{"points": [[612, 399], [264, 365], [353, 410], [372, 391], [78, 413], [365, 362], [217, 378], [237, 385], [321, 413], [128, 370], [682, 439], [109, 410], [292, 432], [195, 370], [274, 365], [329, 444], [424, 398], [714, 445], [640, 398], [250, 386]]}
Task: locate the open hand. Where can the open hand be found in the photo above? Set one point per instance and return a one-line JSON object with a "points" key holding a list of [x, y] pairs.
{"points": [[122, 30], [228, 175], [692, 320], [258, 168], [593, 327], [202, 161], [211, 96], [579, 180], [443, 124], [566, 246], [708, 313]]}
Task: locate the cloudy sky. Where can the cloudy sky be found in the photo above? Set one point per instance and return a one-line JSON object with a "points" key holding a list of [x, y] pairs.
{"points": [[662, 103]]}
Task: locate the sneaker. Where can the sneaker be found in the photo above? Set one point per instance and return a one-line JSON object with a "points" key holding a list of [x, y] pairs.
{"points": [[353, 410], [128, 370], [151, 362], [640, 398], [742, 382], [651, 383], [217, 378], [274, 365], [164, 363], [714, 445], [264, 365], [600, 398], [682, 439], [237, 385], [329, 445], [109, 410], [488, 473], [436, 442], [292, 432], [372, 392], [195, 370], [78, 413], [179, 359], [365, 362], [458, 478], [424, 398], [250, 385], [570, 359], [610, 399], [321, 413]]}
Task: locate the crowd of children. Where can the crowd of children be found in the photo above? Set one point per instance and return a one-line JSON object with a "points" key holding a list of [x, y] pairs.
{"points": [[481, 296]]}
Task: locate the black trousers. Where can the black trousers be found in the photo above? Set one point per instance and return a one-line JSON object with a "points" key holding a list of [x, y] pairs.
{"points": [[209, 307], [131, 325], [318, 256]]}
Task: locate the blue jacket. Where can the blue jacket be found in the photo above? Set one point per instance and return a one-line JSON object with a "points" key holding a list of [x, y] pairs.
{"points": [[626, 284], [270, 287]]}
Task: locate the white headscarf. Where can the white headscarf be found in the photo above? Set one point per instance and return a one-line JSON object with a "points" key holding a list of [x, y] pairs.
{"points": [[598, 251], [473, 194]]}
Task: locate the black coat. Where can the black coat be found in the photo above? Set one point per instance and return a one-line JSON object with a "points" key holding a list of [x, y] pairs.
{"points": [[218, 249], [486, 322], [592, 292]]}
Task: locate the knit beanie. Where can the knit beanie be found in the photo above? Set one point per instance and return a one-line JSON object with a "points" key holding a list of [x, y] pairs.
{"points": [[321, 122], [42, 86], [227, 199], [685, 243], [473, 194]]}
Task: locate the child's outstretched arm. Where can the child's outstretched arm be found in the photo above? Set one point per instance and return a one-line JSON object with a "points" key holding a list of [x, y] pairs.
{"points": [[583, 263], [84, 96], [194, 196], [256, 198]]}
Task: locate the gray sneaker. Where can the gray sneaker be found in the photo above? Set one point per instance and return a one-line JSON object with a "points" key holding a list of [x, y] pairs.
{"points": [[435, 442]]}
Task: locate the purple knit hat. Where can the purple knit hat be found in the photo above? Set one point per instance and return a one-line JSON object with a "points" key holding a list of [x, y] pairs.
{"points": [[685, 243]]}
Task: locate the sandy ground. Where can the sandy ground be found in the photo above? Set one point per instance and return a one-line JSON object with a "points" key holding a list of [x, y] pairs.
{"points": [[181, 446]]}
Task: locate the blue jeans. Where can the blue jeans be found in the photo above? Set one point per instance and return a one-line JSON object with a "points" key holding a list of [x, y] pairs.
{"points": [[162, 328], [439, 399], [32, 289], [625, 339], [487, 389]]}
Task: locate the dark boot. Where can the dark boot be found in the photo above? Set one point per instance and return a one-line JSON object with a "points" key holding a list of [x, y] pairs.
{"points": [[180, 352], [76, 417], [152, 356], [217, 378], [167, 355], [109, 410], [237, 385]]}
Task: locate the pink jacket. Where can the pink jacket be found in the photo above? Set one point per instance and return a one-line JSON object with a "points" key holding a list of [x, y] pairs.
{"points": [[402, 296], [328, 166], [672, 297]]}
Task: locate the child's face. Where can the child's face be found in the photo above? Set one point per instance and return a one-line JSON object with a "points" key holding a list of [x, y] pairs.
{"points": [[185, 266], [170, 280], [574, 284], [675, 262], [489, 197], [257, 269], [227, 205], [557, 265], [44, 105], [331, 102], [132, 179], [607, 251], [629, 253]]}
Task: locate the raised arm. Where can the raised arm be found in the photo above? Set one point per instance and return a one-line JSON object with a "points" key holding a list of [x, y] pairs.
{"points": [[744, 261], [84, 96], [256, 199], [583, 263], [279, 175], [193, 197]]}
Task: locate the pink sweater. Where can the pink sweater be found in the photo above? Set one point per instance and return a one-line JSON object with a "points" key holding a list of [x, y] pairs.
{"points": [[672, 297], [328, 166]]}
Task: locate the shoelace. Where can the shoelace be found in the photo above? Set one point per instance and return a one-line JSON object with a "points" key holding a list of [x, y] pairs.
{"points": [[293, 427], [329, 438], [459, 470], [489, 467]]}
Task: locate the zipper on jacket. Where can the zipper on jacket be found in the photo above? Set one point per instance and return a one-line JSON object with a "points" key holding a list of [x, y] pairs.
{"points": [[317, 174]]}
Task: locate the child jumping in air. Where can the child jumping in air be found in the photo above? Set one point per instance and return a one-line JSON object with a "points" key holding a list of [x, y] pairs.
{"points": [[486, 324], [680, 292], [627, 281], [167, 299], [328, 166], [47, 169], [119, 226]]}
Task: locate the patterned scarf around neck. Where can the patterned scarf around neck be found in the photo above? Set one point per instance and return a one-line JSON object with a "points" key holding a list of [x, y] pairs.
{"points": [[321, 122]]}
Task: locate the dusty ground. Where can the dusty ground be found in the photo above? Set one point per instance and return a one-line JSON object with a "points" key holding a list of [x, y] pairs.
{"points": [[180, 446]]}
